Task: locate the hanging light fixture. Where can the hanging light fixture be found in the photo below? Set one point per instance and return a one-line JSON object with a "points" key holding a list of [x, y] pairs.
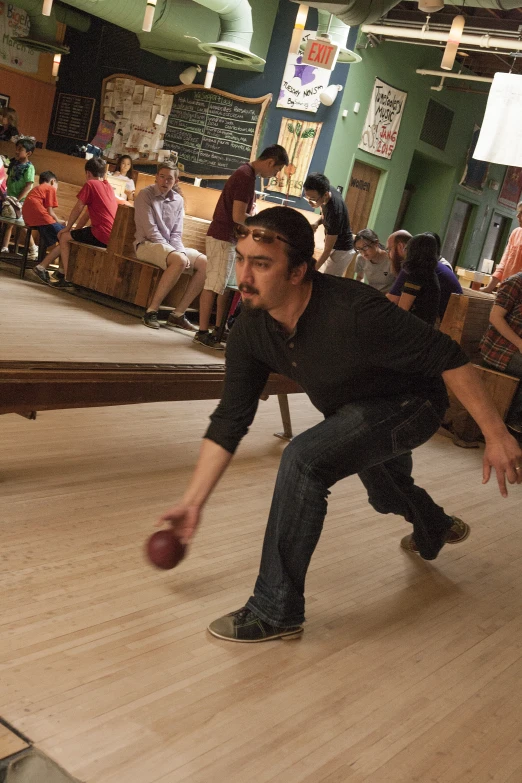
{"points": [[47, 7], [56, 63], [149, 16], [302, 15], [455, 34]]}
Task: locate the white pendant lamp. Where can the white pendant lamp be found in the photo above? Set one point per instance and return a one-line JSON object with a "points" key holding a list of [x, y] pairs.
{"points": [[149, 16], [56, 63], [302, 15], [47, 7], [455, 35]]}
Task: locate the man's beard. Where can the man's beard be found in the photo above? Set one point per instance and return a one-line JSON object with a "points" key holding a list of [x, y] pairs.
{"points": [[248, 304]]}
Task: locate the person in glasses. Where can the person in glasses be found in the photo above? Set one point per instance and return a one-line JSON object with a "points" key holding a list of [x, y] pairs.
{"points": [[338, 239], [373, 263], [376, 374], [235, 203]]}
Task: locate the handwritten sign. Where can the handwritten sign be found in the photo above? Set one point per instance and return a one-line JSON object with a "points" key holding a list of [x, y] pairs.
{"points": [[212, 132], [379, 136], [15, 24], [320, 53], [73, 116], [302, 84]]}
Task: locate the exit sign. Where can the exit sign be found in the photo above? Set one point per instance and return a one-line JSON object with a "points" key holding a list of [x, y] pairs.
{"points": [[321, 53]]}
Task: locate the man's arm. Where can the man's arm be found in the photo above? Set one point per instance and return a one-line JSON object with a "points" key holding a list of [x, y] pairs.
{"points": [[502, 451], [239, 211], [405, 301], [23, 193], [497, 317], [212, 462], [329, 242]]}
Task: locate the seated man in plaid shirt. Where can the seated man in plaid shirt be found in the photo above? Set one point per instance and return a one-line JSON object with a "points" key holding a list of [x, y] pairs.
{"points": [[501, 346]]}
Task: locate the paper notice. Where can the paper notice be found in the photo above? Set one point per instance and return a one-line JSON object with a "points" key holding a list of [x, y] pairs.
{"points": [[149, 94], [158, 119]]}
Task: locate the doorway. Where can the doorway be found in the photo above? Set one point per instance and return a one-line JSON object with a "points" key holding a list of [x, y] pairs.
{"points": [[494, 244], [457, 228]]}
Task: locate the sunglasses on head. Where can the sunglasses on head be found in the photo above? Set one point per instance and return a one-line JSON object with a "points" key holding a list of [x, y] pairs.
{"points": [[264, 235]]}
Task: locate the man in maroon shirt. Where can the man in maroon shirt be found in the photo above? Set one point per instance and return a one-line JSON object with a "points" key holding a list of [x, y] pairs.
{"points": [[235, 204], [98, 196]]}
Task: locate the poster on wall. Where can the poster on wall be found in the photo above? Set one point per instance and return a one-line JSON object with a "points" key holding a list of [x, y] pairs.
{"points": [[381, 128], [302, 84], [511, 188], [14, 23], [476, 171], [299, 138]]}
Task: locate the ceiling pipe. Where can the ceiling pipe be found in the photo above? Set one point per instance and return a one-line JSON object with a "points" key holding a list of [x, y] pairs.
{"points": [[358, 12], [463, 76], [235, 34], [338, 32], [482, 41]]}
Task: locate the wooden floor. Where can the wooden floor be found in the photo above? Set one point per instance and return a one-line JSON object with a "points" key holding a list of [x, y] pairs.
{"points": [[407, 672]]}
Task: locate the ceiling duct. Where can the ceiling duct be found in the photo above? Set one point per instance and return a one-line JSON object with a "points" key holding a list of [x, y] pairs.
{"points": [[43, 28], [368, 11], [338, 32], [235, 34]]}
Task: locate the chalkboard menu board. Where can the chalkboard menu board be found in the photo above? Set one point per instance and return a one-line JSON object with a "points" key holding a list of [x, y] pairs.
{"points": [[73, 116], [213, 132]]}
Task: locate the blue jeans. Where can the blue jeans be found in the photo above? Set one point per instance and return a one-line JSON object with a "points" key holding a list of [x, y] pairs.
{"points": [[373, 438]]}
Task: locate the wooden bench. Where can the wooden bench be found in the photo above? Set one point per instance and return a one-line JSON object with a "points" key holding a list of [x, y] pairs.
{"points": [[466, 320], [116, 271]]}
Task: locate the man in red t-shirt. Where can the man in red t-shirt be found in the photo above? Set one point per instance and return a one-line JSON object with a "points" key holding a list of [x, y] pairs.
{"points": [[235, 203], [98, 197]]}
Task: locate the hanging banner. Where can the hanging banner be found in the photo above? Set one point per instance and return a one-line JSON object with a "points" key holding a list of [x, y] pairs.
{"points": [[383, 120], [500, 139], [302, 84], [511, 188], [14, 23], [299, 138]]}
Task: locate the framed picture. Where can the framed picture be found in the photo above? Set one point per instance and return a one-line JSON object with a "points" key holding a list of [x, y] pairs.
{"points": [[4, 101]]}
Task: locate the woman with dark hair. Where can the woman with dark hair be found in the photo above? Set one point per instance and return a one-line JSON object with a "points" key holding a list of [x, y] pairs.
{"points": [[373, 262], [421, 289], [124, 171], [9, 122]]}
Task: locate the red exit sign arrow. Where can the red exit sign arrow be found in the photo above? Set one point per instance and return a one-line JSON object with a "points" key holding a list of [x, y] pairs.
{"points": [[321, 53]]}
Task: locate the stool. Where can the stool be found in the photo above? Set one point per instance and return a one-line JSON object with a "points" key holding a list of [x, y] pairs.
{"points": [[25, 250]]}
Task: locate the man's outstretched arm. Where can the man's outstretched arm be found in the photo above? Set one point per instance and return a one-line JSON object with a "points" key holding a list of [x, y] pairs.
{"points": [[212, 462], [502, 450]]}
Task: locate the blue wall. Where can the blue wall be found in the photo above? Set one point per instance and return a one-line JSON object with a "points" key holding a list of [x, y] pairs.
{"points": [[107, 49]]}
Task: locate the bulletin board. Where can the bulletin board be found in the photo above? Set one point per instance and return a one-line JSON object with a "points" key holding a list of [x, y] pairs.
{"points": [[211, 131]]}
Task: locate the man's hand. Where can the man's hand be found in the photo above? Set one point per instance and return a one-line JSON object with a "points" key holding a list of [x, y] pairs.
{"points": [[505, 456], [183, 520]]}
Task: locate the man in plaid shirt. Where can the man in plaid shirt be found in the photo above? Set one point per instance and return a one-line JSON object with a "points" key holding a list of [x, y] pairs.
{"points": [[501, 346]]}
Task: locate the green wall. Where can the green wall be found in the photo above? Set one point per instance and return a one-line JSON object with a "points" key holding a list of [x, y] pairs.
{"points": [[435, 174]]}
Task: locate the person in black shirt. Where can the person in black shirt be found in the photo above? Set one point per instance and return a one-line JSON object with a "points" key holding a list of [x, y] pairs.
{"points": [[338, 240], [376, 374]]}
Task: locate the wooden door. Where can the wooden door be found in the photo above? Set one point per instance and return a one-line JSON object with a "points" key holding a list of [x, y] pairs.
{"points": [[361, 193]]}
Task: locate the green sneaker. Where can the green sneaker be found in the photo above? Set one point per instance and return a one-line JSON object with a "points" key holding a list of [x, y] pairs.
{"points": [[245, 626], [457, 533]]}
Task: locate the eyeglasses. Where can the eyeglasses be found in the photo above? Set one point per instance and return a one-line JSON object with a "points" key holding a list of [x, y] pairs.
{"points": [[264, 235], [313, 200], [363, 248]]}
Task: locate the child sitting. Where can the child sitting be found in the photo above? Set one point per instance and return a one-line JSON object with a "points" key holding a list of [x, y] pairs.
{"points": [[38, 212], [98, 196], [123, 171], [20, 180]]}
